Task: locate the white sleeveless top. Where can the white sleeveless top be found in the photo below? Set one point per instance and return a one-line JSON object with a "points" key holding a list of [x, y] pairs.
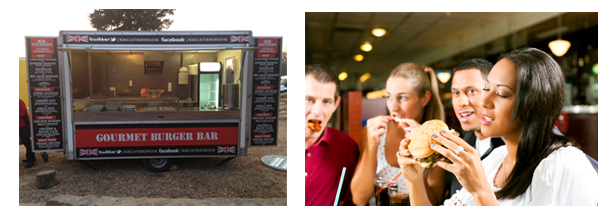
{"points": [[384, 169], [565, 177]]}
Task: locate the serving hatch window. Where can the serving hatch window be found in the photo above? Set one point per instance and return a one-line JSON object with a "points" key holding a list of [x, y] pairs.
{"points": [[130, 74]]}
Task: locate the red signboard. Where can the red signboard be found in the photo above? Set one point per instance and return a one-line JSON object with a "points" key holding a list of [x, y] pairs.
{"points": [[41, 47], [43, 89], [46, 140], [267, 47], [134, 137], [53, 117], [262, 136], [264, 88]]}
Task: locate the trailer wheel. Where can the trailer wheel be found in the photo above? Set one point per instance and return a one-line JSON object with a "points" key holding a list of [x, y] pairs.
{"points": [[158, 164]]}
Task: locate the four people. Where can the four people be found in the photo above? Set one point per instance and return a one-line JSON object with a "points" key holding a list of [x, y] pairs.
{"points": [[510, 155]]}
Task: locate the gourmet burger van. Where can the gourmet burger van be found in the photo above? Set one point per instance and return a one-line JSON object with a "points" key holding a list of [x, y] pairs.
{"points": [[153, 95]]}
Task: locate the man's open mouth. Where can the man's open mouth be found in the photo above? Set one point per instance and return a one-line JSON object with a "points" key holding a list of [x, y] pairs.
{"points": [[314, 125]]}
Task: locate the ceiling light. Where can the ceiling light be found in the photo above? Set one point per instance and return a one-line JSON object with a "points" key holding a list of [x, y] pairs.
{"points": [[358, 57], [342, 76], [444, 76], [559, 47], [366, 47], [379, 32], [365, 76], [376, 94]]}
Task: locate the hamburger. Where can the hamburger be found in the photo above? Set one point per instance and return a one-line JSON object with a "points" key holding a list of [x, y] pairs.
{"points": [[314, 125], [420, 139]]}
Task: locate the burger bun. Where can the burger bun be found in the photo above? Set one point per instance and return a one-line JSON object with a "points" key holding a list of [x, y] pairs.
{"points": [[421, 138]]}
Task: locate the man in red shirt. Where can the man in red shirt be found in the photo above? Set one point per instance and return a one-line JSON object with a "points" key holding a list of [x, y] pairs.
{"points": [[24, 133], [327, 150]]}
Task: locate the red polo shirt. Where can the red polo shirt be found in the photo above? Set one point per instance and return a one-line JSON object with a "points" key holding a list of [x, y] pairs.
{"points": [[22, 111], [324, 162]]}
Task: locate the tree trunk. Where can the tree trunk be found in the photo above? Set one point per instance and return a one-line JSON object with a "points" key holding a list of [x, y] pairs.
{"points": [[46, 179]]}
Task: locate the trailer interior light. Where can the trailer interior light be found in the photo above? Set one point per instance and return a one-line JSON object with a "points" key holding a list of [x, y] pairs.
{"points": [[210, 66]]}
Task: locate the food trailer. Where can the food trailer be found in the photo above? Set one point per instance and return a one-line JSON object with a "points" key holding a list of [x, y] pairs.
{"points": [[153, 95]]}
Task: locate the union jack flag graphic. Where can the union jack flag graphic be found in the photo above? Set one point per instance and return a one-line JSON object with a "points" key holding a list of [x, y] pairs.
{"points": [[240, 39], [88, 152], [226, 149], [77, 38]]}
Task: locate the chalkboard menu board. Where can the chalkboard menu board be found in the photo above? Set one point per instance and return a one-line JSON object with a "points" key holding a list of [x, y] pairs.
{"points": [[265, 91], [45, 93]]}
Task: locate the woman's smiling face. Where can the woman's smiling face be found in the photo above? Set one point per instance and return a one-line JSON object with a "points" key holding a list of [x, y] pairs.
{"points": [[498, 100]]}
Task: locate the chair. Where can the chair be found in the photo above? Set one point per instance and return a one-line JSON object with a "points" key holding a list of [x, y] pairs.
{"points": [[593, 162]]}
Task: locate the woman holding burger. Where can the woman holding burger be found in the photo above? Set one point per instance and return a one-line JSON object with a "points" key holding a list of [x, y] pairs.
{"points": [[412, 98], [524, 94]]}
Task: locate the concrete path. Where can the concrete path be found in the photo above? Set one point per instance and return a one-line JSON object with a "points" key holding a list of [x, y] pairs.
{"points": [[91, 200]]}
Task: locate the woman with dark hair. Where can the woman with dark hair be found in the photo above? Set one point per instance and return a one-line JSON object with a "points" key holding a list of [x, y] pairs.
{"points": [[412, 98], [524, 94]]}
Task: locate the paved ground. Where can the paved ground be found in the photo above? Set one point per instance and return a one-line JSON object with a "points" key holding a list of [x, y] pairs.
{"points": [[241, 181], [91, 200]]}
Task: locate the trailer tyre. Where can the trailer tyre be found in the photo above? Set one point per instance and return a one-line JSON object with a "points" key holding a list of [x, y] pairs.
{"points": [[158, 164]]}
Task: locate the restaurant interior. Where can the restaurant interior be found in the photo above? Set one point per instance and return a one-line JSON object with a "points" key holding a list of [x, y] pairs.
{"points": [[363, 48]]}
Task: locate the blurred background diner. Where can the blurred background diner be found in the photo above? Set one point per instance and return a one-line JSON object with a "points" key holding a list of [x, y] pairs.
{"points": [[363, 48]]}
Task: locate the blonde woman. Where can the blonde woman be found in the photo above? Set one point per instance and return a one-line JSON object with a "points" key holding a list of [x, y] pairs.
{"points": [[412, 96]]}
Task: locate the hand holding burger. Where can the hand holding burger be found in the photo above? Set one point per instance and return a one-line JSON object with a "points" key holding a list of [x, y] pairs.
{"points": [[415, 153], [419, 143], [466, 163]]}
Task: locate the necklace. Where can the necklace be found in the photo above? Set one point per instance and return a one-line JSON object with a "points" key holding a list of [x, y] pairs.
{"points": [[504, 171]]}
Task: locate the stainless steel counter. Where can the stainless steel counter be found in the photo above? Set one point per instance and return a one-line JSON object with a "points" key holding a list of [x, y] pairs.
{"points": [[581, 109], [166, 109]]}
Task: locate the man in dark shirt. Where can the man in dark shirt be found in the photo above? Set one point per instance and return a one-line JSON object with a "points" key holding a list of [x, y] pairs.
{"points": [[327, 150], [468, 82]]}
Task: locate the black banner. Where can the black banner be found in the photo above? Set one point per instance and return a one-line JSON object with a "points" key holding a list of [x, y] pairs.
{"points": [[157, 39], [45, 94], [265, 90], [231, 150]]}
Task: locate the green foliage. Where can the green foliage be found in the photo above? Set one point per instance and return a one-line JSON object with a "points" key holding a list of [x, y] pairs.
{"points": [[131, 19]]}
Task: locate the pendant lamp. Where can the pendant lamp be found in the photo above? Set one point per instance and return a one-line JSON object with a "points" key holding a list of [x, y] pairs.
{"points": [[559, 47]]}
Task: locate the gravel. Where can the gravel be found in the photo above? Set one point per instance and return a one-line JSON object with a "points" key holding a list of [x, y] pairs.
{"points": [[194, 178]]}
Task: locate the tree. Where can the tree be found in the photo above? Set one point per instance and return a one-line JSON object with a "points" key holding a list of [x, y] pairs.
{"points": [[284, 62], [131, 19]]}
